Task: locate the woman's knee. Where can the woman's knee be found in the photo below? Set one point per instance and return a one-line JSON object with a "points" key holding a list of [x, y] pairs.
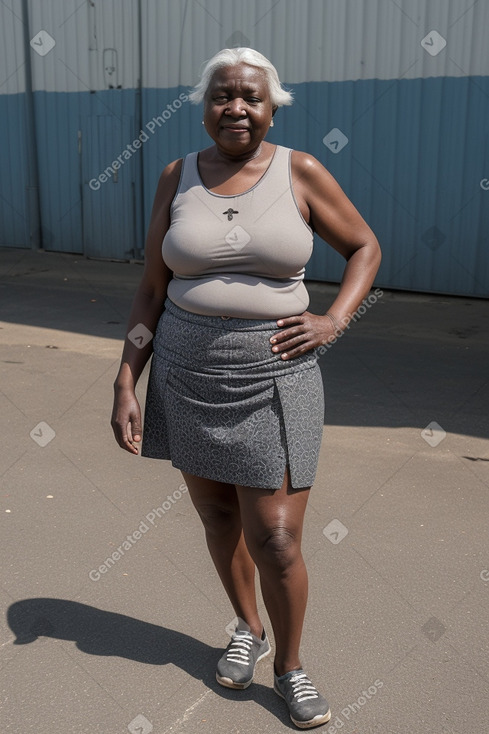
{"points": [[216, 503], [218, 518], [279, 547]]}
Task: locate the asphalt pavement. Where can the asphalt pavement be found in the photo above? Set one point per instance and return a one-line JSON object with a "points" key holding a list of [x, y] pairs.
{"points": [[114, 616]]}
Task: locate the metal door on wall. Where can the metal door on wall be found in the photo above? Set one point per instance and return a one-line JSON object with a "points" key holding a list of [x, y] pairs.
{"points": [[110, 188]]}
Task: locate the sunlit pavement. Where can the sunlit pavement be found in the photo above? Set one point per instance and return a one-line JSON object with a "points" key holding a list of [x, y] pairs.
{"points": [[115, 617]]}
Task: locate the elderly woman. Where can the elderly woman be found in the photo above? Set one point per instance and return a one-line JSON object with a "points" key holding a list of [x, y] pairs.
{"points": [[235, 395]]}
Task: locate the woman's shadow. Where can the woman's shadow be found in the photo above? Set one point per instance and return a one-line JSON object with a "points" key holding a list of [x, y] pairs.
{"points": [[97, 632]]}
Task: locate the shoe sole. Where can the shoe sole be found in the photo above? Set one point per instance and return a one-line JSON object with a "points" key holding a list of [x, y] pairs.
{"points": [[317, 721], [228, 683]]}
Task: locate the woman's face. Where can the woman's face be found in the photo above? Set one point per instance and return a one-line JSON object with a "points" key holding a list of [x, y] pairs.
{"points": [[237, 108]]}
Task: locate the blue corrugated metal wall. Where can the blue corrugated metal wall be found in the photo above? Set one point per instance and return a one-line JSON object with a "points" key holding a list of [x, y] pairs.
{"points": [[14, 230], [416, 157], [434, 239]]}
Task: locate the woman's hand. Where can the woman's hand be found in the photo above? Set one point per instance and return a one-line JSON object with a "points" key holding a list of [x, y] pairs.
{"points": [[126, 419], [301, 334]]}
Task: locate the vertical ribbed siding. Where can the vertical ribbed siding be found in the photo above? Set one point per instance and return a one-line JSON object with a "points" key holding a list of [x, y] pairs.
{"points": [[13, 180], [12, 80], [417, 124], [89, 39], [318, 40]]}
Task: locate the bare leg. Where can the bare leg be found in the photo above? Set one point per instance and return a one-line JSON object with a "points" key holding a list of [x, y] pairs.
{"points": [[272, 522], [218, 507]]}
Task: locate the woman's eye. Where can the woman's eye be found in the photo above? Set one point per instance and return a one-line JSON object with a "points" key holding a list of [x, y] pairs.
{"points": [[222, 98]]}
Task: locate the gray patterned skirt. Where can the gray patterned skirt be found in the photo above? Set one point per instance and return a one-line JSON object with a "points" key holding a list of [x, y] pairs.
{"points": [[221, 405]]}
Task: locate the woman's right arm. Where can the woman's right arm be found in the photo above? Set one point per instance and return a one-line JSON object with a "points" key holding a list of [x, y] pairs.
{"points": [[145, 313]]}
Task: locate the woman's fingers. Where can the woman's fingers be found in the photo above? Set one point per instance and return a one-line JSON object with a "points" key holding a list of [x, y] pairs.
{"points": [[126, 421], [134, 426], [123, 436], [300, 334], [131, 436]]}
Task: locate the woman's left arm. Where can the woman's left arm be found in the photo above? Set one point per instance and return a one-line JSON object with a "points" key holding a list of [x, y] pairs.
{"points": [[335, 219]]}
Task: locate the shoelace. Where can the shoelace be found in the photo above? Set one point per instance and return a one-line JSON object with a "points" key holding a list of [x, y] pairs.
{"points": [[302, 688], [239, 649]]}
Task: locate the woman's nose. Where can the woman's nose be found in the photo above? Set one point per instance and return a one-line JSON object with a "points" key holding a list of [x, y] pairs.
{"points": [[236, 107]]}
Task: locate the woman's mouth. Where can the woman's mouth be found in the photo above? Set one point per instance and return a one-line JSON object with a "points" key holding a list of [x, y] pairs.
{"points": [[236, 128]]}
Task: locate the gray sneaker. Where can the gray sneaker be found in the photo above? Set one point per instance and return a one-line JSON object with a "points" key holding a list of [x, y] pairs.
{"points": [[236, 667], [307, 707]]}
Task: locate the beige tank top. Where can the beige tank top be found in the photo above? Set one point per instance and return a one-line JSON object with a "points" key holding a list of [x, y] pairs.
{"points": [[242, 255]]}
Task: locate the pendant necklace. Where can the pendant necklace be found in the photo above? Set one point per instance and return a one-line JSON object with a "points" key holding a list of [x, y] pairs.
{"points": [[231, 212]]}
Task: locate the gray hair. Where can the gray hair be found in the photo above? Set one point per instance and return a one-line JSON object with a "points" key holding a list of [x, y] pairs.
{"points": [[233, 56]]}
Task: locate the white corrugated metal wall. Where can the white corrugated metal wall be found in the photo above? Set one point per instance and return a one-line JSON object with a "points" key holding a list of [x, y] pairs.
{"points": [[415, 112], [317, 40]]}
